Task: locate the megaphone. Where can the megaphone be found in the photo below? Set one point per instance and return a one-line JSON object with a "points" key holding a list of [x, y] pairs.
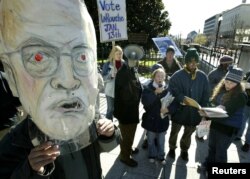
{"points": [[133, 52]]}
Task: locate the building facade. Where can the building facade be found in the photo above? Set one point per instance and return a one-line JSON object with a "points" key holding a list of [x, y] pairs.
{"points": [[233, 28]]}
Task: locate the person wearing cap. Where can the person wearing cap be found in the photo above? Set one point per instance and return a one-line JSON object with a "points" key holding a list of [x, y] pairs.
{"points": [[155, 67], [219, 73], [128, 90], [51, 65], [152, 69], [152, 120], [229, 95], [170, 63], [187, 82]]}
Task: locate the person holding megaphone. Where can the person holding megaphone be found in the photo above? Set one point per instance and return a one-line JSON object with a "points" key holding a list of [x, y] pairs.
{"points": [[128, 91]]}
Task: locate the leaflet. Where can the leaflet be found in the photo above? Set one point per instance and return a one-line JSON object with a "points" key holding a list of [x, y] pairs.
{"points": [[212, 112]]}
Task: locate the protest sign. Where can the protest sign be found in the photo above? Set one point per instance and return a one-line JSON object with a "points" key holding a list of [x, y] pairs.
{"points": [[162, 44], [112, 20]]}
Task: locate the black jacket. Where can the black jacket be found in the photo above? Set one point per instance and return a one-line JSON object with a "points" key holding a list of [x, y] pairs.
{"points": [[128, 91], [8, 104], [181, 84], [151, 119], [170, 70], [16, 146]]}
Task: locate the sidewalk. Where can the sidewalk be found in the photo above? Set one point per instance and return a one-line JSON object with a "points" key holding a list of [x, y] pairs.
{"points": [[174, 169]]}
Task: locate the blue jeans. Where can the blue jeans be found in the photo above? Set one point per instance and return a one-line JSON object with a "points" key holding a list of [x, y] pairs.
{"points": [[246, 119], [153, 150], [110, 107]]}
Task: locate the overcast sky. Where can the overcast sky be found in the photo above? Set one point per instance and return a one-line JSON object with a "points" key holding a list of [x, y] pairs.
{"points": [[189, 15]]}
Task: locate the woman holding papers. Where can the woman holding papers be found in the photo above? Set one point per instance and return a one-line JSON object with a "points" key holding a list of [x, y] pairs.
{"points": [[229, 95], [154, 119]]}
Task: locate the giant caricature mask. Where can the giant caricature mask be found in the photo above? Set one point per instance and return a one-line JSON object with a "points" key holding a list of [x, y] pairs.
{"points": [[49, 53]]}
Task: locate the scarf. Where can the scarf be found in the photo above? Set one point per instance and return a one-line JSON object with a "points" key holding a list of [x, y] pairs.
{"points": [[193, 75], [118, 64], [156, 85]]}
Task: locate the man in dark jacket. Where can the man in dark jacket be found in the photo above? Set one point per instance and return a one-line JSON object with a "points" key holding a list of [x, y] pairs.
{"points": [[170, 63], [216, 75], [193, 83], [51, 65], [126, 108]]}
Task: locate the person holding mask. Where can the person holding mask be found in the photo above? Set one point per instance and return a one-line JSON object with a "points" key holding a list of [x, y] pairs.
{"points": [[128, 91], [170, 63], [51, 65], [193, 83], [109, 71]]}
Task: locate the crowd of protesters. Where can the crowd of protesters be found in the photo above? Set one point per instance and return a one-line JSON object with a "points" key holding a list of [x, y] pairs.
{"points": [[63, 138], [184, 82], [221, 88], [213, 90]]}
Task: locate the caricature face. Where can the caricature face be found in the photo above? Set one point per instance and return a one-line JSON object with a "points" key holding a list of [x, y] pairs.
{"points": [[52, 64]]}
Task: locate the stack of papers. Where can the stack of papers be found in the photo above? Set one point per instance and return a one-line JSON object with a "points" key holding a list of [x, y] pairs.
{"points": [[212, 112]]}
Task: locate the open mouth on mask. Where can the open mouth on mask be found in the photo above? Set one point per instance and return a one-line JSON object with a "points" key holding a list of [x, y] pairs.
{"points": [[71, 105]]}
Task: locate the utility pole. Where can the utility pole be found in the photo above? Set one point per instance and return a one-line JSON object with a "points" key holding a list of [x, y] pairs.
{"points": [[217, 32], [215, 43]]}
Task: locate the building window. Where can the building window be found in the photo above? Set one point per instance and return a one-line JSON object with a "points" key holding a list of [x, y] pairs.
{"points": [[245, 39], [247, 31]]}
